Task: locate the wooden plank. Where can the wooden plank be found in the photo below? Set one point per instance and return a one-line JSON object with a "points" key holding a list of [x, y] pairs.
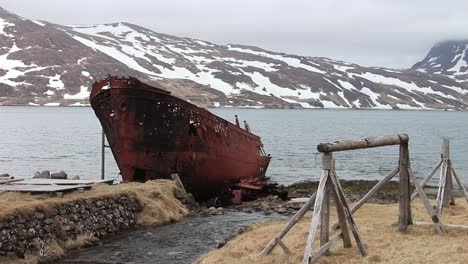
{"points": [[341, 217], [460, 184], [175, 177], [325, 217], [404, 218], [441, 192], [435, 218], [4, 181], [363, 143], [326, 247], [448, 198], [427, 178], [284, 247], [306, 207], [315, 216], [349, 216], [40, 188], [447, 225], [60, 181]]}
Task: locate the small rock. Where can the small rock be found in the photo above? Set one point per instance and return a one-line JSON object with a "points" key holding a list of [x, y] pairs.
{"points": [[281, 210], [39, 215], [59, 175], [43, 175], [75, 177]]}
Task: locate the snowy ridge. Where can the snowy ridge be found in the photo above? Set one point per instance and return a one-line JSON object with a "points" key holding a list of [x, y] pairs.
{"points": [[449, 58], [56, 65], [297, 81]]}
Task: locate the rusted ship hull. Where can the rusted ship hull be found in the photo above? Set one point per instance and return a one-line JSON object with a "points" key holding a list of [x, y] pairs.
{"points": [[153, 134]]}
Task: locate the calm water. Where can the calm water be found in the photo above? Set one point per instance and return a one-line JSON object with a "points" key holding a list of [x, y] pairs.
{"points": [[38, 138]]}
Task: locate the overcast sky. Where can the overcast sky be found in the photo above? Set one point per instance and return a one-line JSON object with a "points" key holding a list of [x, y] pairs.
{"points": [[395, 33]]}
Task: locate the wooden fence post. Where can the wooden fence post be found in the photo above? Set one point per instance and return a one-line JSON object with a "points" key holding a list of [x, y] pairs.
{"points": [[405, 217]]}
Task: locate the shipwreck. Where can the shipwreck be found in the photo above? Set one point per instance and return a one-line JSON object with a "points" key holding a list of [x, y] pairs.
{"points": [[153, 134]]}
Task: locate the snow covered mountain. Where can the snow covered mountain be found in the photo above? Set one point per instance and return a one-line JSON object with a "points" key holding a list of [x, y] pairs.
{"points": [[49, 64], [449, 58]]}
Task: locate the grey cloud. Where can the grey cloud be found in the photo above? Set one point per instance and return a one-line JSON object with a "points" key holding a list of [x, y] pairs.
{"points": [[373, 33]]}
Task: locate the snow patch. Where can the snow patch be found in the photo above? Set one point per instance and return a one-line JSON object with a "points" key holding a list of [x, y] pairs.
{"points": [[83, 94], [293, 62], [374, 96], [56, 82], [79, 104], [49, 92], [40, 23], [4, 24], [52, 104]]}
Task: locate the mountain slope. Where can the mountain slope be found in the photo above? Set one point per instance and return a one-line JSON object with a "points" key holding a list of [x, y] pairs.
{"points": [[448, 58], [49, 63]]}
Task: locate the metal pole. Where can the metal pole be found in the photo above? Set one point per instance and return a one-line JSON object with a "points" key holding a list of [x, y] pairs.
{"points": [[103, 153]]}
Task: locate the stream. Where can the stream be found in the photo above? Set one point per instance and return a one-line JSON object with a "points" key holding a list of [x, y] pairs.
{"points": [[177, 243]]}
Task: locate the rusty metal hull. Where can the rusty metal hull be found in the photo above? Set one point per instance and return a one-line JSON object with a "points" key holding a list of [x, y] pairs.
{"points": [[153, 134]]}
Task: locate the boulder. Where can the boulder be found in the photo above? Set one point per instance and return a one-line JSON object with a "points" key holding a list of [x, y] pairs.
{"points": [[43, 175], [5, 175], [59, 175]]}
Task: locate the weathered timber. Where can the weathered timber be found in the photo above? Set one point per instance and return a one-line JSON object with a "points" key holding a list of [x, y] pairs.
{"points": [[405, 217], [40, 188], [306, 207], [460, 184], [442, 189], [427, 178], [448, 197], [434, 216], [324, 248], [284, 247], [39, 181], [371, 142], [315, 216], [341, 218], [349, 215], [175, 177], [325, 217], [3, 181], [446, 225]]}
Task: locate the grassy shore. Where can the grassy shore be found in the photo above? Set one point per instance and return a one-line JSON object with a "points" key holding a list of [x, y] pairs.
{"points": [[157, 199], [377, 224]]}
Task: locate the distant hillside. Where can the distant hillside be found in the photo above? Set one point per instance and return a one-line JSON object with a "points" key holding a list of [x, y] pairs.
{"points": [[449, 58], [49, 64]]}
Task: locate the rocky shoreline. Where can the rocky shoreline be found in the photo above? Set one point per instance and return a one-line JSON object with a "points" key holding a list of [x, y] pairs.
{"points": [[354, 191]]}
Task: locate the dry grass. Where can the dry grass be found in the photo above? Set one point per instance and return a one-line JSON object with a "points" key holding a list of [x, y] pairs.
{"points": [[157, 197], [81, 241], [377, 224]]}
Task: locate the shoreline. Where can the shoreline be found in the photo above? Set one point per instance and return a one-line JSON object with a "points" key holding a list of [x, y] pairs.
{"points": [[262, 108], [268, 205], [378, 224]]}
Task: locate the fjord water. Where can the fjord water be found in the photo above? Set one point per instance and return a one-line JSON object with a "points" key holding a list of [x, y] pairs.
{"points": [[58, 138]]}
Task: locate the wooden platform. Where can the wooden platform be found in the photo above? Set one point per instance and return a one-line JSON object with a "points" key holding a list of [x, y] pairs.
{"points": [[3, 181], [61, 182], [40, 188]]}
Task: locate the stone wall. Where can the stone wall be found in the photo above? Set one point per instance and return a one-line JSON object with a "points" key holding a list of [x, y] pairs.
{"points": [[26, 232]]}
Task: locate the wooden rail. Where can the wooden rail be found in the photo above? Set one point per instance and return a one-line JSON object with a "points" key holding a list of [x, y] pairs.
{"points": [[371, 142]]}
